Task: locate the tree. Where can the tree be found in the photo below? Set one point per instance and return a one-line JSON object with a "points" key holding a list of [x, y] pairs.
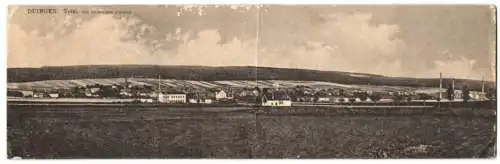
{"points": [[465, 94], [363, 96], [315, 98], [352, 100], [78, 91], [375, 97], [491, 93], [341, 92], [423, 96], [397, 98], [107, 91], [15, 94], [408, 98], [341, 100]]}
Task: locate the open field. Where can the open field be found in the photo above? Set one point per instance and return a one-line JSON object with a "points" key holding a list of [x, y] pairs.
{"points": [[66, 84], [61, 132]]}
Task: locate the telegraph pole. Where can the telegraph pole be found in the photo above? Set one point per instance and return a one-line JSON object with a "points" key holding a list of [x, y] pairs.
{"points": [[453, 88], [159, 90], [440, 87]]}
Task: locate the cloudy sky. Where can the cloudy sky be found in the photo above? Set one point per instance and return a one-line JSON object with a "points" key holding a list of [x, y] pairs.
{"points": [[414, 41]]}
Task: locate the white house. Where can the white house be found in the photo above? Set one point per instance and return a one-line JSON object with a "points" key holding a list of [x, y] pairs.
{"points": [[279, 100], [208, 101], [54, 95], [221, 94], [193, 101], [172, 98], [475, 95], [39, 95], [342, 99], [324, 99], [94, 90], [277, 103], [161, 97], [200, 101], [143, 100]]}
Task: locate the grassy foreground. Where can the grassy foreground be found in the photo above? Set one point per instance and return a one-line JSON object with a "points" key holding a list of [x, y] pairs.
{"points": [[171, 133]]}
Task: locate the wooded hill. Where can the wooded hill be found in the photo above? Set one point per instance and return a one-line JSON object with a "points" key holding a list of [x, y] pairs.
{"points": [[224, 73]]}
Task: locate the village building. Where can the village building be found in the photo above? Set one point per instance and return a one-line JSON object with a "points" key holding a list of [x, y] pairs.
{"points": [[276, 99], [476, 95], [54, 95], [199, 98], [92, 92], [245, 93], [221, 94], [39, 95], [324, 99], [200, 101], [341, 99], [172, 98], [146, 100]]}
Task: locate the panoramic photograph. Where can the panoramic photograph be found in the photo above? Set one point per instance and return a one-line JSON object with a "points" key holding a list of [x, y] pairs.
{"points": [[251, 81]]}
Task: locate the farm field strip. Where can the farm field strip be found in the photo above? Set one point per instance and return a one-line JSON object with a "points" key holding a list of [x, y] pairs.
{"points": [[77, 82], [253, 83], [42, 84], [243, 83], [106, 82], [111, 81], [62, 84], [201, 84], [188, 84], [266, 83], [148, 80], [209, 84], [133, 81], [168, 84], [231, 83], [88, 81], [331, 84], [198, 84]]}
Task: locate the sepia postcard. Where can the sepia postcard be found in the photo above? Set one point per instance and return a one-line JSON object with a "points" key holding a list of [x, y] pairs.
{"points": [[251, 81]]}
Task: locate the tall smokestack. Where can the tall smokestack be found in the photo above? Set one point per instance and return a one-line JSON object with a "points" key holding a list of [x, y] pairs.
{"points": [[453, 85], [440, 85]]}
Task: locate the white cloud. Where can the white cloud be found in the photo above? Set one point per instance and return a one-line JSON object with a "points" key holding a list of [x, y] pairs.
{"points": [[95, 42], [461, 68], [206, 50], [100, 41], [344, 43]]}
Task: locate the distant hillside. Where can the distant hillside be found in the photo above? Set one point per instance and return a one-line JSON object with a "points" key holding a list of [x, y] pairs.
{"points": [[220, 73]]}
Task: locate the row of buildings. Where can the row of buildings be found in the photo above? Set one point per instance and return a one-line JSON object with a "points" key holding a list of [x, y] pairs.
{"points": [[264, 96]]}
